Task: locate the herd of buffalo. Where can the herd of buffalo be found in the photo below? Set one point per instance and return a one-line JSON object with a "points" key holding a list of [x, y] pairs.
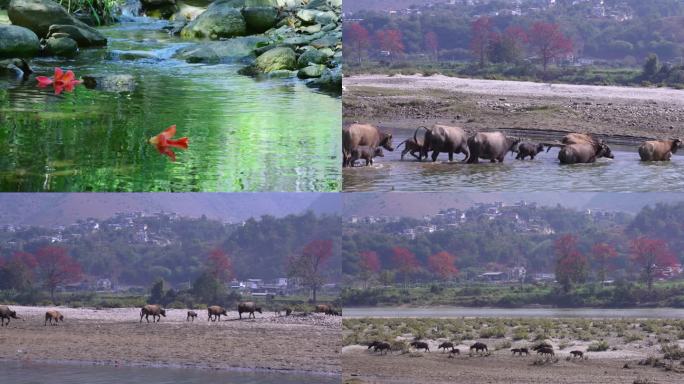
{"points": [[156, 311], [543, 349], [365, 142]]}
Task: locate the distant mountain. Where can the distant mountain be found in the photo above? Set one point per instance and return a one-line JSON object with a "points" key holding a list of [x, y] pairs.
{"points": [[50, 209], [383, 5], [419, 204]]}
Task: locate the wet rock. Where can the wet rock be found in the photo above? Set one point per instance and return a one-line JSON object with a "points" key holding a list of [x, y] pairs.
{"points": [[260, 19], [84, 37], [231, 50], [40, 15], [311, 56], [218, 21], [310, 28], [61, 46], [18, 41], [110, 83], [275, 59], [331, 79], [311, 71]]}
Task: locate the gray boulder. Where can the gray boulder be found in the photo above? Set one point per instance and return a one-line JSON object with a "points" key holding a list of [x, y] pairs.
{"points": [[227, 51], [314, 70], [39, 15], [218, 21], [311, 56], [260, 19], [330, 80], [82, 34], [18, 41], [275, 59], [61, 46]]}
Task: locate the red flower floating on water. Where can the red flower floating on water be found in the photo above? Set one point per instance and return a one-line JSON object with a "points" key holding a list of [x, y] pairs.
{"points": [[62, 81], [164, 143]]}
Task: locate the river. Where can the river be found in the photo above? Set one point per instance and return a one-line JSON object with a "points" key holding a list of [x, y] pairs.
{"points": [[447, 312], [624, 173], [39, 373], [245, 134]]}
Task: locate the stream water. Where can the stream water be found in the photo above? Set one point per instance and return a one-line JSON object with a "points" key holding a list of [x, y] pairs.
{"points": [[245, 134], [625, 173], [39, 373]]}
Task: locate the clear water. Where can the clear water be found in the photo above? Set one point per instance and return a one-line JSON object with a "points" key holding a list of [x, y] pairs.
{"points": [[625, 173], [39, 373], [245, 134], [446, 312]]}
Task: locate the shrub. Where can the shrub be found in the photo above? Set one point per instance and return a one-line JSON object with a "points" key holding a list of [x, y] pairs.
{"points": [[600, 346]]}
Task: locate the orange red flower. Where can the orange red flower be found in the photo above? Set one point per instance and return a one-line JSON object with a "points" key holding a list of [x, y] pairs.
{"points": [[164, 142], [61, 81]]}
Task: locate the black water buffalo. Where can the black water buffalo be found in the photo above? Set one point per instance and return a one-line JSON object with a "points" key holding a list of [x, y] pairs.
{"points": [[364, 152], [412, 147], [154, 310], [372, 344], [446, 345], [327, 309], [356, 135], [53, 315], [490, 145], [418, 345], [575, 354], [249, 307], [215, 312], [659, 150], [541, 345], [478, 347], [287, 310], [454, 351], [520, 351], [191, 315], [7, 313], [382, 347], [444, 138], [529, 149], [545, 351]]}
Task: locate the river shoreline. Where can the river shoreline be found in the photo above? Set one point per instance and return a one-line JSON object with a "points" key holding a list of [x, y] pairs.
{"points": [[115, 337]]}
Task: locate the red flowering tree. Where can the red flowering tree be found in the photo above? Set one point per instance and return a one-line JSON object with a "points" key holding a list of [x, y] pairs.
{"points": [[549, 42], [358, 38], [219, 265], [390, 40], [54, 267], [571, 264], [651, 255], [481, 37], [405, 262], [369, 264], [431, 43], [443, 265], [603, 255], [309, 265], [509, 46]]}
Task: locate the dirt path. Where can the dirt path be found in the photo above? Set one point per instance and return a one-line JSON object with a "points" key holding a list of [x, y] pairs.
{"points": [[405, 102], [114, 336]]}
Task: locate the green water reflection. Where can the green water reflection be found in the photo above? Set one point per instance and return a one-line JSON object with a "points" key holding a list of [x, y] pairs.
{"points": [[245, 134]]}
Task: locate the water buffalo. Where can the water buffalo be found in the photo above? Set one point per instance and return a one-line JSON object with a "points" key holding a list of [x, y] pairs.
{"points": [[490, 145], [659, 150], [53, 315], [7, 313], [382, 347], [250, 307], [287, 310], [327, 309], [478, 347], [191, 315], [446, 345], [529, 149], [412, 146], [356, 135], [373, 344], [215, 312], [520, 351], [541, 345], [444, 138], [364, 152], [154, 310], [582, 148], [418, 345], [545, 351], [575, 354], [454, 351]]}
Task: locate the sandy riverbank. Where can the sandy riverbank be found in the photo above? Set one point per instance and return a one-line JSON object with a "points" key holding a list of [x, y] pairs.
{"points": [[308, 344], [405, 102]]}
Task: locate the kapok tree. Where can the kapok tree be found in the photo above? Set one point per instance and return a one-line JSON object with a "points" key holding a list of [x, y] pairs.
{"points": [[443, 265], [219, 265], [358, 38], [405, 262], [54, 267], [309, 265], [571, 264], [481, 37], [549, 42], [603, 255], [651, 254], [390, 40], [431, 43], [369, 264]]}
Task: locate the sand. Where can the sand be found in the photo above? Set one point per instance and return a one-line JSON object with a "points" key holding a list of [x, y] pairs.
{"points": [[308, 344]]}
